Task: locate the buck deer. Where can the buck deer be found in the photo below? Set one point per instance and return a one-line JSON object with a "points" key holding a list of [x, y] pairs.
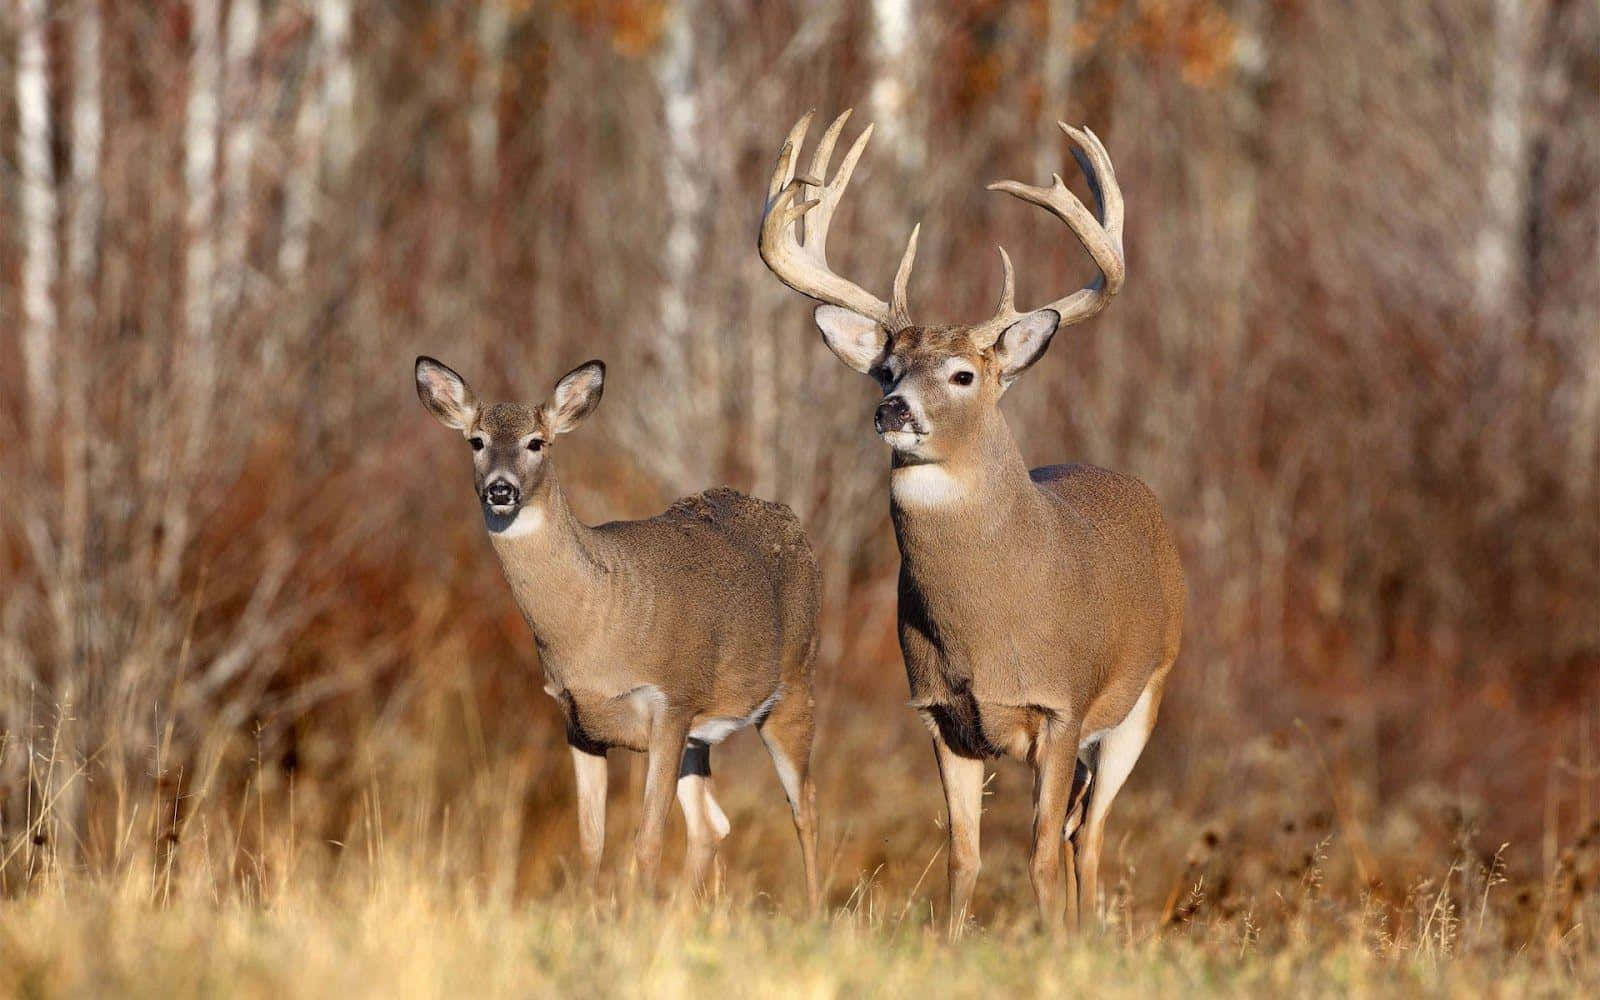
{"points": [[663, 635], [1040, 611]]}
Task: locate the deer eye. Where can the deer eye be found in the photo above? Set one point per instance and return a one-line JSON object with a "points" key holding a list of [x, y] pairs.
{"points": [[476, 442], [961, 378], [535, 445]]}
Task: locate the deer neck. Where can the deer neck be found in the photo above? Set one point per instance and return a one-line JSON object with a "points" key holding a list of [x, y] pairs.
{"points": [[960, 505], [556, 567]]}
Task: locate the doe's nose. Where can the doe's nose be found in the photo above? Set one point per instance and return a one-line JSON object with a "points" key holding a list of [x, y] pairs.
{"points": [[892, 414], [500, 493]]}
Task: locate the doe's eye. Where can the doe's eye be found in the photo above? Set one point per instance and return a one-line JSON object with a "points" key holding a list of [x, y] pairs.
{"points": [[961, 378], [535, 445], [477, 443]]}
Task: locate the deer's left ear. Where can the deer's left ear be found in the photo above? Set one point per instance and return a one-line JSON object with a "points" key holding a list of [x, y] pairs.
{"points": [[1025, 342], [576, 396]]}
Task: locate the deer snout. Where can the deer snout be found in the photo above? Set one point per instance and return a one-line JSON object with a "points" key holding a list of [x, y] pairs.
{"points": [[893, 414], [501, 493]]}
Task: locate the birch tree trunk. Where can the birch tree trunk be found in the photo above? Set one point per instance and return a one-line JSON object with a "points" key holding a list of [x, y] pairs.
{"points": [[321, 131], [494, 24], [37, 204], [239, 129], [682, 359], [895, 80], [195, 365], [1505, 165], [1060, 15]]}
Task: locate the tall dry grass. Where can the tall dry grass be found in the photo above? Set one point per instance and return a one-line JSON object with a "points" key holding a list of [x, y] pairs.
{"points": [[252, 642]]}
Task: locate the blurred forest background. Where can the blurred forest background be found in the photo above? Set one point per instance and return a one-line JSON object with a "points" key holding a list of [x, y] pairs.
{"points": [[1357, 358]]}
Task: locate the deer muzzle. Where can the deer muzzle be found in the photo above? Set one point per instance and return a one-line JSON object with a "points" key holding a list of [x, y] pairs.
{"points": [[501, 495], [893, 414]]}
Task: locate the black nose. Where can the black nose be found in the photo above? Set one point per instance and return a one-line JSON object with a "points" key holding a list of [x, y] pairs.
{"points": [[500, 494], [893, 414]]}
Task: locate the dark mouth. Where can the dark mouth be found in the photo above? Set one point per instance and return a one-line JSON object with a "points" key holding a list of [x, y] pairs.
{"points": [[499, 518]]}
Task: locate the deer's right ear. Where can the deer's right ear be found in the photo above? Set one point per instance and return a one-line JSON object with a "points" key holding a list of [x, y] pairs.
{"points": [[446, 395], [857, 340], [576, 396]]}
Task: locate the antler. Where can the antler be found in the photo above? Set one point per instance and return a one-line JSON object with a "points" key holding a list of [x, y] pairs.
{"points": [[800, 260], [1101, 237]]}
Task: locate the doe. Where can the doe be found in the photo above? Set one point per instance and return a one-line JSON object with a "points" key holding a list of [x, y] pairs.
{"points": [[663, 635]]}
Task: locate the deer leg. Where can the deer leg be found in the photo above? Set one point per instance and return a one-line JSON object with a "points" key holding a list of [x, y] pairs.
{"points": [[962, 778], [787, 733], [1055, 759], [590, 772], [668, 734], [707, 824], [1119, 751]]}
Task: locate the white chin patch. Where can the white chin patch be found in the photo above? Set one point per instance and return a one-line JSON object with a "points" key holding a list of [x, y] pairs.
{"points": [[527, 521], [901, 441], [927, 485]]}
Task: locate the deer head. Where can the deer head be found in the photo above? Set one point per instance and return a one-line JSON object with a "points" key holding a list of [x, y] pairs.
{"points": [[940, 384], [510, 442]]}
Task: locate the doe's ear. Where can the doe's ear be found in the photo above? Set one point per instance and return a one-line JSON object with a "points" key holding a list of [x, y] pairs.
{"points": [[855, 339], [576, 396], [446, 394], [1024, 342]]}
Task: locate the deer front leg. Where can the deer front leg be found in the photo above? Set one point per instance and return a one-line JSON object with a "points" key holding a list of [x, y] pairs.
{"points": [[1055, 760], [668, 734], [590, 771], [963, 796]]}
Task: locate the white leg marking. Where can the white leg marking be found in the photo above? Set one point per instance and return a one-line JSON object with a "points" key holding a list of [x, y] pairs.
{"points": [[1119, 751], [701, 813]]}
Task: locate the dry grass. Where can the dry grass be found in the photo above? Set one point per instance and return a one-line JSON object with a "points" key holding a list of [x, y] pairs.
{"points": [[1261, 884]]}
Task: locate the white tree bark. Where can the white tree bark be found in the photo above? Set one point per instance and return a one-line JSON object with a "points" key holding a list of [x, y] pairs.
{"points": [[680, 177], [87, 131], [1060, 15], [38, 208], [195, 365], [239, 130], [1505, 165], [321, 131], [494, 25], [895, 80]]}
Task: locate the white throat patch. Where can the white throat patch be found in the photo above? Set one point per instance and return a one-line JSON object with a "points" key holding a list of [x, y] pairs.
{"points": [[926, 485], [527, 521]]}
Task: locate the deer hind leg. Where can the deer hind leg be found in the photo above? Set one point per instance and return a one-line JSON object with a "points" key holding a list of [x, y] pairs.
{"points": [[1077, 806], [1055, 761], [704, 819], [1118, 751], [787, 733]]}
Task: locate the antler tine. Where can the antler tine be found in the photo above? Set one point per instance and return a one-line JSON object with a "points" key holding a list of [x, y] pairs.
{"points": [[800, 259], [1008, 285], [899, 302], [1101, 237], [832, 192], [789, 156]]}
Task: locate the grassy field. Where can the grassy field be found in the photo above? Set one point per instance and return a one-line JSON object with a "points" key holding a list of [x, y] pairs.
{"points": [[1280, 888], [419, 940]]}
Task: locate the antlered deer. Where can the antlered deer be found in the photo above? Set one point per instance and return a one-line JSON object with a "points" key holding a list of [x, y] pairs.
{"points": [[663, 635], [1040, 610]]}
